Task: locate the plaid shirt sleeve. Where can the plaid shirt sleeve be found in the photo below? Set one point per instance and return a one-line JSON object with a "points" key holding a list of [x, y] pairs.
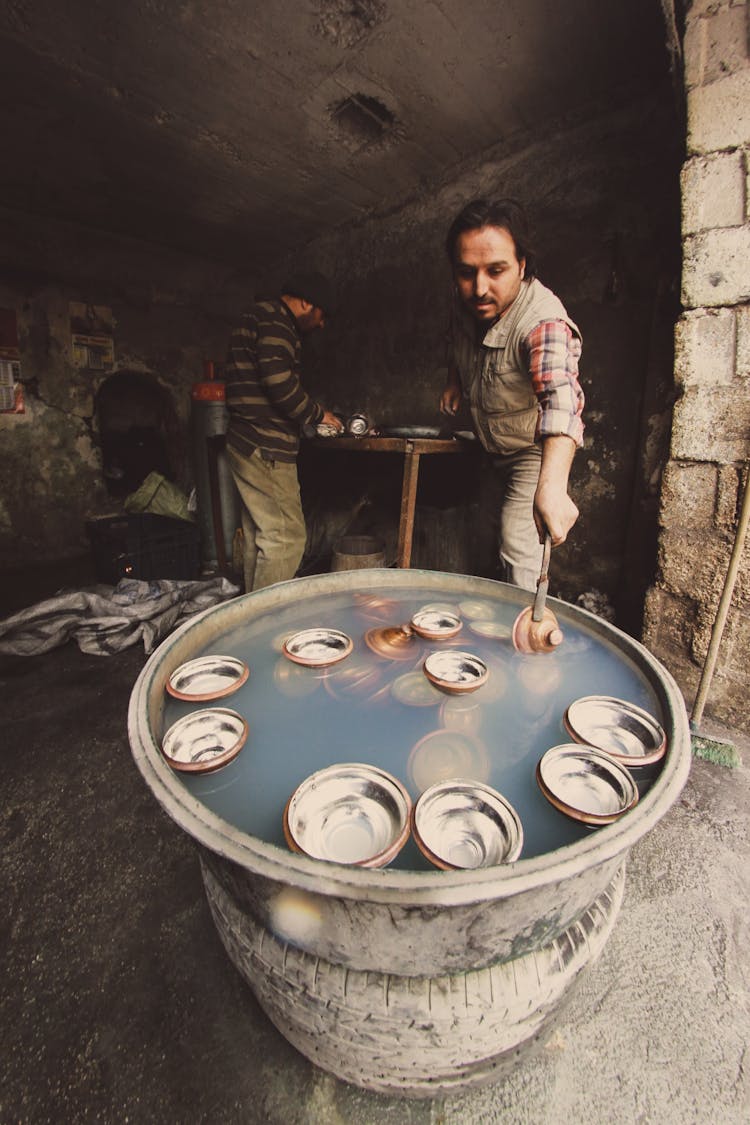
{"points": [[552, 352]]}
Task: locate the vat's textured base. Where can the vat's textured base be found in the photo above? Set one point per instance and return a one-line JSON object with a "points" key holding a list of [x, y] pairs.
{"points": [[415, 1036]]}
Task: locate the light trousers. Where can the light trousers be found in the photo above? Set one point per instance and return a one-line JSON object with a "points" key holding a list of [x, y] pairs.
{"points": [[513, 481], [273, 524]]}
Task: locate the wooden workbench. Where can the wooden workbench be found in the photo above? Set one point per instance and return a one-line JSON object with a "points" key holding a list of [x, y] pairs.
{"points": [[412, 450]]}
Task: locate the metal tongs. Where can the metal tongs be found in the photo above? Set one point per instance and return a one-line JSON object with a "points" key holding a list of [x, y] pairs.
{"points": [[536, 628]]}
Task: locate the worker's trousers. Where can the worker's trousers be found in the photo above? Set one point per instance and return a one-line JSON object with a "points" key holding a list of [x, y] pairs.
{"points": [[273, 525]]}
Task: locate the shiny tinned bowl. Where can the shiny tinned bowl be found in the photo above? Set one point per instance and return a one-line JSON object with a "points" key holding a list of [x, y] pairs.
{"points": [[462, 824], [625, 731], [207, 677], [585, 783], [454, 671], [317, 648], [204, 740], [434, 623], [351, 813]]}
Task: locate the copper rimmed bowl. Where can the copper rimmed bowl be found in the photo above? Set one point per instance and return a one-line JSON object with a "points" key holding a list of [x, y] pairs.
{"points": [[463, 824], [349, 813], [586, 783], [455, 672], [318, 647], [207, 677], [436, 623], [625, 731], [475, 964], [205, 740]]}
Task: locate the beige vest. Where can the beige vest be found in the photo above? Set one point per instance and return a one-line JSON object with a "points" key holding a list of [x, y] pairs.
{"points": [[503, 404]]}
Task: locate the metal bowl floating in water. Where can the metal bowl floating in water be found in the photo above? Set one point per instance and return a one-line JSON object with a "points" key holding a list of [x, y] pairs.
{"points": [[435, 623], [454, 671], [460, 824], [317, 648], [586, 784], [207, 677], [351, 814], [628, 733], [395, 642], [476, 963], [204, 740]]}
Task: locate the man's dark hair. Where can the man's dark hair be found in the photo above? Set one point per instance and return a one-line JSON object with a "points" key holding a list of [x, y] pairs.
{"points": [[505, 213], [312, 287]]}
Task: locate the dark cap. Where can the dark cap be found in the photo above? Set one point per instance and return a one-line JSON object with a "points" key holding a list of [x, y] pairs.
{"points": [[312, 287]]}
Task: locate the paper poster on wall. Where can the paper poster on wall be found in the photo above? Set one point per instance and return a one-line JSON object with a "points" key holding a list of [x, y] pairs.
{"points": [[11, 388], [92, 336]]}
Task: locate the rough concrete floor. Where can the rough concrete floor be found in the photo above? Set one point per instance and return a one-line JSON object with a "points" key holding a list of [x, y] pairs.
{"points": [[119, 1004]]}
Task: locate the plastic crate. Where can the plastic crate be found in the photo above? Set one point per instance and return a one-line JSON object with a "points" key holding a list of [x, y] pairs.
{"points": [[143, 546]]}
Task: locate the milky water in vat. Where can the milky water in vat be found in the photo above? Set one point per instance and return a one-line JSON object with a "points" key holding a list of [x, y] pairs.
{"points": [[303, 719]]}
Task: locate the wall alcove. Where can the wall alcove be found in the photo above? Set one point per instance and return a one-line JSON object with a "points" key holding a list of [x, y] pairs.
{"points": [[138, 431]]}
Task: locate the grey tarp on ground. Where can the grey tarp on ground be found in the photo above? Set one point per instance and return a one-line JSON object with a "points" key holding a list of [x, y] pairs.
{"points": [[106, 619]]}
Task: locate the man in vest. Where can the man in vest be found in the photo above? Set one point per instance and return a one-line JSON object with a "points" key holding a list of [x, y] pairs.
{"points": [[513, 353], [268, 407]]}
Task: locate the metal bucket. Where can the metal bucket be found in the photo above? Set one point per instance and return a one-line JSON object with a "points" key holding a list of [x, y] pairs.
{"points": [[409, 982], [357, 552]]}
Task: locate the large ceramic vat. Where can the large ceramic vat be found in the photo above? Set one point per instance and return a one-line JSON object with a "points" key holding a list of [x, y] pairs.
{"points": [[410, 982]]}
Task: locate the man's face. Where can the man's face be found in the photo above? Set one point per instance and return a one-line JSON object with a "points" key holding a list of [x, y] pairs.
{"points": [[310, 319], [487, 272]]}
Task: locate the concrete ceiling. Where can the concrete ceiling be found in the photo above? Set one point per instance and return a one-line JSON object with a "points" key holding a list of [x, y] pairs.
{"points": [[240, 128]]}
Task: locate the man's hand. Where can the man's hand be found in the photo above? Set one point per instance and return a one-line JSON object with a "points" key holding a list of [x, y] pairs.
{"points": [[330, 419], [450, 400], [554, 511]]}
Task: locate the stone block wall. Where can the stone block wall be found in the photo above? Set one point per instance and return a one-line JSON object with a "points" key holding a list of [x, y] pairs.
{"points": [[704, 479]]}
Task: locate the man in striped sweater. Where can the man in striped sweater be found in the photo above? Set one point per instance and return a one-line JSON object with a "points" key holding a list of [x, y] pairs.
{"points": [[268, 407]]}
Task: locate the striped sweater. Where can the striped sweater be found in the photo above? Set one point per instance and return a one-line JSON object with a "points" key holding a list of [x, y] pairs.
{"points": [[266, 401]]}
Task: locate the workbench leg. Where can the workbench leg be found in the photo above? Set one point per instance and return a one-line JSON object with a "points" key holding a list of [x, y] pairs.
{"points": [[408, 503]]}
